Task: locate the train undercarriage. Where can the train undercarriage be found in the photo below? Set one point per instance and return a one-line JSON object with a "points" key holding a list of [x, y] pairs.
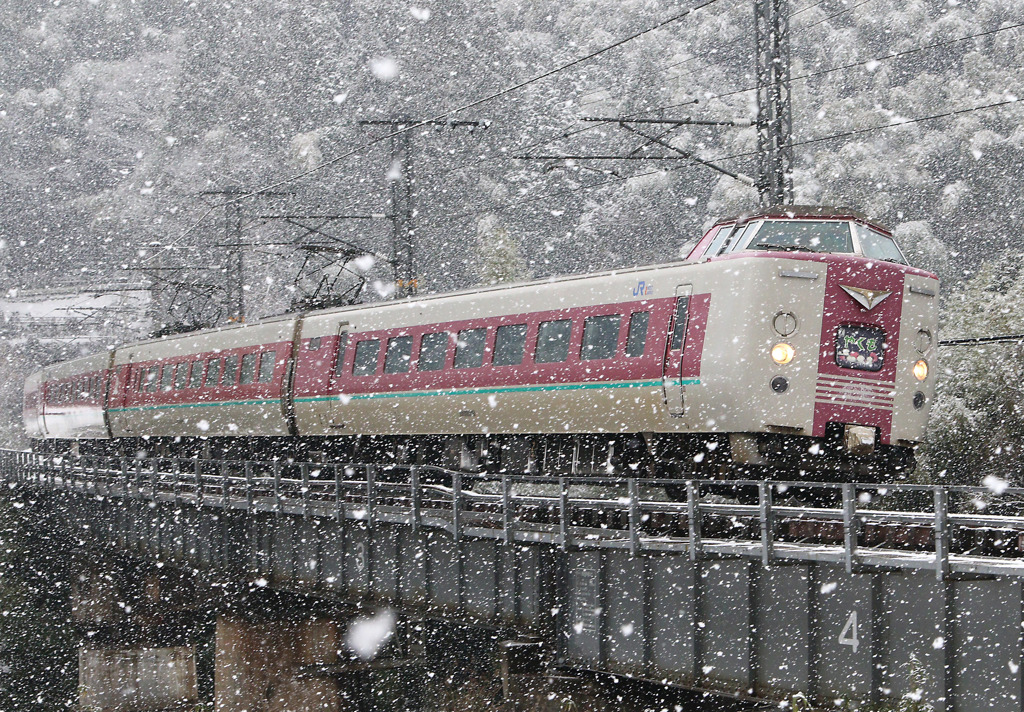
{"points": [[715, 456]]}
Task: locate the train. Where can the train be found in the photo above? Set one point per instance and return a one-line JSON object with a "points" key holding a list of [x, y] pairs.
{"points": [[789, 342]]}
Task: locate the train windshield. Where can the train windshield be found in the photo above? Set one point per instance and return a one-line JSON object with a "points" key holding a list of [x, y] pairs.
{"points": [[835, 236], [800, 236]]}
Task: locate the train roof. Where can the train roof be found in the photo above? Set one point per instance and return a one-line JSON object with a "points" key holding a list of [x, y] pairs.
{"points": [[806, 212], [777, 212]]}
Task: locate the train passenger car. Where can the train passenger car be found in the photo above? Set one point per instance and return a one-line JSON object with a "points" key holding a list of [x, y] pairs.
{"points": [[67, 401], [789, 341], [228, 382], [796, 342]]}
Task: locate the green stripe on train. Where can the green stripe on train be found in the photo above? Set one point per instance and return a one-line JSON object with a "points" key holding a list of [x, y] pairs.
{"points": [[439, 392]]}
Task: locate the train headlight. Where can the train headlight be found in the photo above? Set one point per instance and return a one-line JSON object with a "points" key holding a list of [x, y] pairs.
{"points": [[782, 353], [921, 370]]}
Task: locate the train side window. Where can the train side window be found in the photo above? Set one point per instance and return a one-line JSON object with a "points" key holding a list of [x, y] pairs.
{"points": [[509, 345], [151, 378], [433, 351], [230, 368], [637, 339], [553, 341], [181, 376], [367, 354], [212, 372], [600, 336], [195, 379], [267, 362], [314, 344], [339, 361], [469, 348], [167, 377], [399, 354], [247, 374], [679, 322]]}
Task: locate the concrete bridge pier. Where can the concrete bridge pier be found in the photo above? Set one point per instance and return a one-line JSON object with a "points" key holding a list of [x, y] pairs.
{"points": [[136, 656], [271, 666]]}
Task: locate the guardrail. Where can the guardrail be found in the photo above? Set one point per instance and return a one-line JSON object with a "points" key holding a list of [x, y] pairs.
{"points": [[945, 528]]}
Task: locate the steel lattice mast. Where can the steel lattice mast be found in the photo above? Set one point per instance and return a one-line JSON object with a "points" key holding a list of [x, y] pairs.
{"points": [[774, 117]]}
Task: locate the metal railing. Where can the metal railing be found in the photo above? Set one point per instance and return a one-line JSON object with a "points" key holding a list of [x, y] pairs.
{"points": [[942, 528]]}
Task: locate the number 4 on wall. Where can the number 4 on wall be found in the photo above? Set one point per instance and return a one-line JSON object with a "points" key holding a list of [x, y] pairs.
{"points": [[849, 634]]}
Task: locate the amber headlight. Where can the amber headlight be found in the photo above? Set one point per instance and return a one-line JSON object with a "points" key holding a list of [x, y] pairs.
{"points": [[782, 353], [921, 370]]}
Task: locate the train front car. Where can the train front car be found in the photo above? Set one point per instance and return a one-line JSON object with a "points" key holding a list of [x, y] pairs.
{"points": [[820, 346]]}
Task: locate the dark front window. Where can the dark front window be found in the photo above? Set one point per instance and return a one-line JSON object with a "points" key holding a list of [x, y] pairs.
{"points": [[469, 349], [802, 236], [167, 378], [637, 339], [153, 379], [267, 362], [247, 374], [509, 345], [212, 372], [860, 347], [433, 352], [600, 337], [181, 376], [553, 341], [195, 379], [367, 353], [399, 354], [228, 378]]}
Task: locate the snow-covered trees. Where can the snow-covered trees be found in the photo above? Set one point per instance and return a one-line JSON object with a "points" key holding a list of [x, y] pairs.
{"points": [[977, 421]]}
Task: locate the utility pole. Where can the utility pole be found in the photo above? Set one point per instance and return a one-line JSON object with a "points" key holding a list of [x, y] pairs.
{"points": [[236, 254], [402, 193], [774, 116]]}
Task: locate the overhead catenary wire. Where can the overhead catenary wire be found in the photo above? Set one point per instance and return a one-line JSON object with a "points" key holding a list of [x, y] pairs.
{"points": [[688, 165], [441, 116], [868, 62]]}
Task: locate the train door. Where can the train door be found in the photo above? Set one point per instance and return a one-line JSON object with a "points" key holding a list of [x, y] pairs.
{"points": [[331, 415], [675, 392]]}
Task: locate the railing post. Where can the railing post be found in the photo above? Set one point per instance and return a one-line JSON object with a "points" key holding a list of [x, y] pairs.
{"points": [[764, 499], [248, 485], [125, 478], [199, 482], [942, 534], [850, 526], [506, 508], [154, 476], [304, 488], [225, 485], [339, 511], [176, 471], [371, 482], [277, 486], [634, 517], [457, 505], [693, 517], [563, 513], [415, 495]]}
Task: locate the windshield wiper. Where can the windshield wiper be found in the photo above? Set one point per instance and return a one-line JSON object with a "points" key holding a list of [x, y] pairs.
{"points": [[784, 248]]}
